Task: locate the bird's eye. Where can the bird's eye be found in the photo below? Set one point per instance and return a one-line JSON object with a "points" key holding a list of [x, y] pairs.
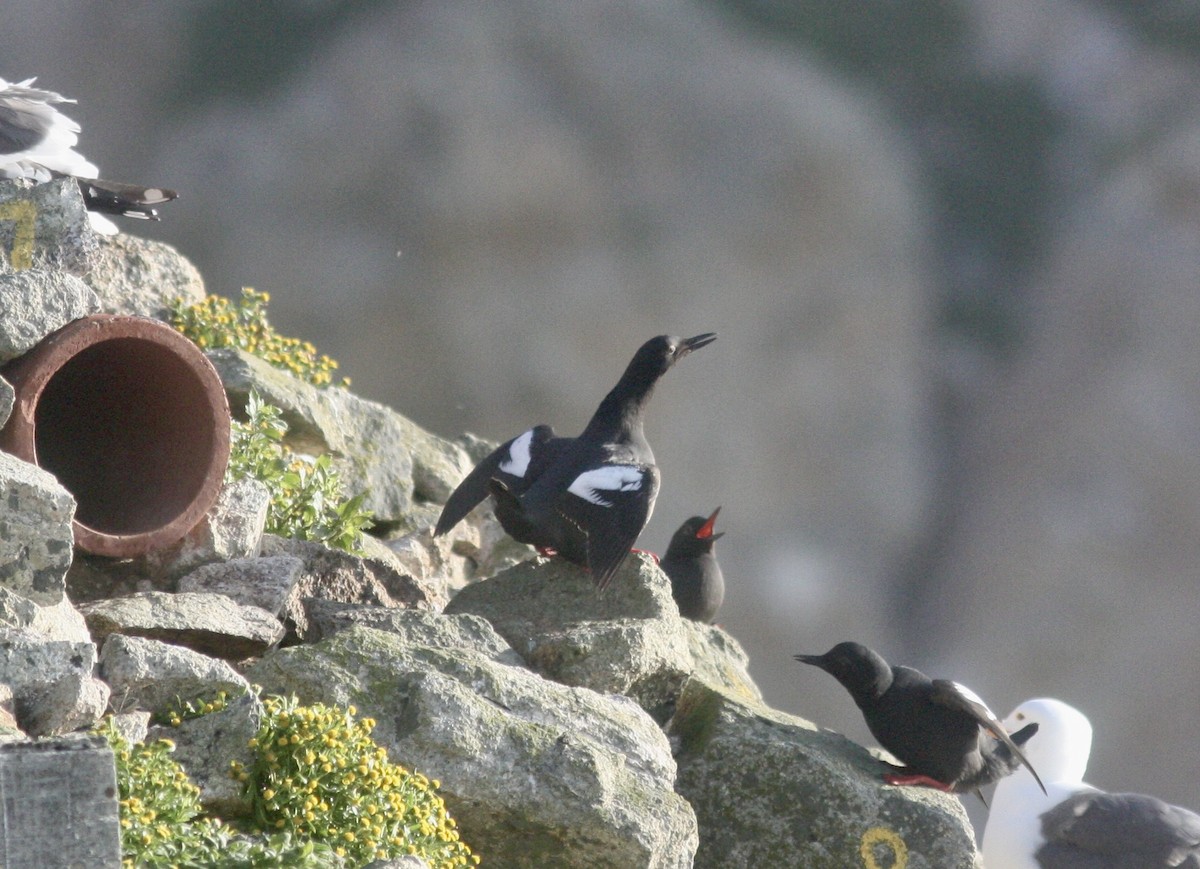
{"points": [[1020, 716]]}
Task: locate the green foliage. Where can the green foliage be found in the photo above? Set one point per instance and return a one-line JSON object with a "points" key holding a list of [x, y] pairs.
{"points": [[217, 322], [180, 710], [319, 776], [306, 493], [325, 796], [161, 821]]}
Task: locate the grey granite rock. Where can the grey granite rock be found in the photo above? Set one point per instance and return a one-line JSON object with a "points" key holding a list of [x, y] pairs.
{"points": [[60, 803], [205, 746], [35, 303], [132, 725], [770, 789], [267, 583], [476, 548], [629, 639], [27, 658], [720, 660], [139, 276], [232, 528], [150, 674], [211, 624], [378, 452], [333, 574], [36, 540], [51, 681], [71, 702], [585, 778], [46, 227], [415, 627]]}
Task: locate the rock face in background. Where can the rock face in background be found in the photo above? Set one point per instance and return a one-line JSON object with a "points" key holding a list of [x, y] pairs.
{"points": [[559, 189], [559, 192]]}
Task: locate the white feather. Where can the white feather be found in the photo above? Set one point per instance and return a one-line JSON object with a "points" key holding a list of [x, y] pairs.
{"points": [[975, 698], [517, 462], [610, 478]]}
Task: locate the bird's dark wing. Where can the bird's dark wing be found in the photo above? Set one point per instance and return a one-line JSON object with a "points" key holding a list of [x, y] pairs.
{"points": [[610, 505], [516, 463], [960, 697], [1093, 828], [130, 200]]}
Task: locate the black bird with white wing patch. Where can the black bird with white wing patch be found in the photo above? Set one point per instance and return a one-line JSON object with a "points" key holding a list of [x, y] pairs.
{"points": [[585, 498], [690, 563], [37, 142], [936, 727]]}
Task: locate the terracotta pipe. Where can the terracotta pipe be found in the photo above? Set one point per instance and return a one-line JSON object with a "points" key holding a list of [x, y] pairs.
{"points": [[132, 419]]}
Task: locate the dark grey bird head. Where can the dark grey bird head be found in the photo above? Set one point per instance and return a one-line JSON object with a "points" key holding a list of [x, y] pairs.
{"points": [[621, 409], [695, 536], [862, 671], [657, 355]]}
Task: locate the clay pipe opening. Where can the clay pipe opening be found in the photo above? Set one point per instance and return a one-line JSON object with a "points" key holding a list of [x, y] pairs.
{"points": [[133, 421]]}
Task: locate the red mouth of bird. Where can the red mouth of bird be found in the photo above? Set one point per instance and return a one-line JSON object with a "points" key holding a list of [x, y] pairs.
{"points": [[706, 530]]}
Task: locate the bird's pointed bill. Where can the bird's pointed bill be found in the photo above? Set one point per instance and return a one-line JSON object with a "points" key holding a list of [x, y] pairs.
{"points": [[687, 345]]}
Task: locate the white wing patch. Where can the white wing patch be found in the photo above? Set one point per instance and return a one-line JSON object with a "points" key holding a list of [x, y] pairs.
{"points": [[517, 462], [590, 485], [975, 698]]}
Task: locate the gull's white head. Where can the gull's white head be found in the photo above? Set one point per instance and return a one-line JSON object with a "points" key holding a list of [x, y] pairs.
{"points": [[1059, 750]]}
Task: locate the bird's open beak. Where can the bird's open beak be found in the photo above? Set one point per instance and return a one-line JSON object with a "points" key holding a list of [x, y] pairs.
{"points": [[705, 531], [687, 345], [815, 660]]}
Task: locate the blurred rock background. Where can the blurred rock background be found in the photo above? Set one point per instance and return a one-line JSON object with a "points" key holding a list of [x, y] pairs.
{"points": [[951, 248]]}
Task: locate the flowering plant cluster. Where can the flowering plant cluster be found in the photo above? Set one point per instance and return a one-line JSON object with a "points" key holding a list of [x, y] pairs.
{"points": [[217, 322]]}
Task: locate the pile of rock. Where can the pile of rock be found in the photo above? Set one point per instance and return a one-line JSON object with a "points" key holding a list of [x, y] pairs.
{"points": [[567, 727]]}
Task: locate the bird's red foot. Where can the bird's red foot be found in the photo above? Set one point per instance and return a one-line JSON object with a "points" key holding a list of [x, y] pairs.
{"points": [[893, 778], [653, 555], [546, 551]]}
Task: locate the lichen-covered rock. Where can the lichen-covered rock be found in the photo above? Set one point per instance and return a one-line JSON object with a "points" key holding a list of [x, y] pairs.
{"points": [[45, 226], [720, 660], [415, 627], [586, 779], [378, 452], [211, 624], [333, 574], [205, 746], [628, 639], [770, 789], [266, 583], [71, 702], [37, 302], [142, 277], [150, 674], [51, 681], [232, 528], [36, 540], [476, 548]]}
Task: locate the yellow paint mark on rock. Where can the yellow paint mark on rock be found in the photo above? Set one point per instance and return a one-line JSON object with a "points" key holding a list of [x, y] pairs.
{"points": [[24, 213], [876, 841]]}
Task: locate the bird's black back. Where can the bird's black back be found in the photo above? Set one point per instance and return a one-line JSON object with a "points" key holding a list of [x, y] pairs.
{"points": [[927, 736]]}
